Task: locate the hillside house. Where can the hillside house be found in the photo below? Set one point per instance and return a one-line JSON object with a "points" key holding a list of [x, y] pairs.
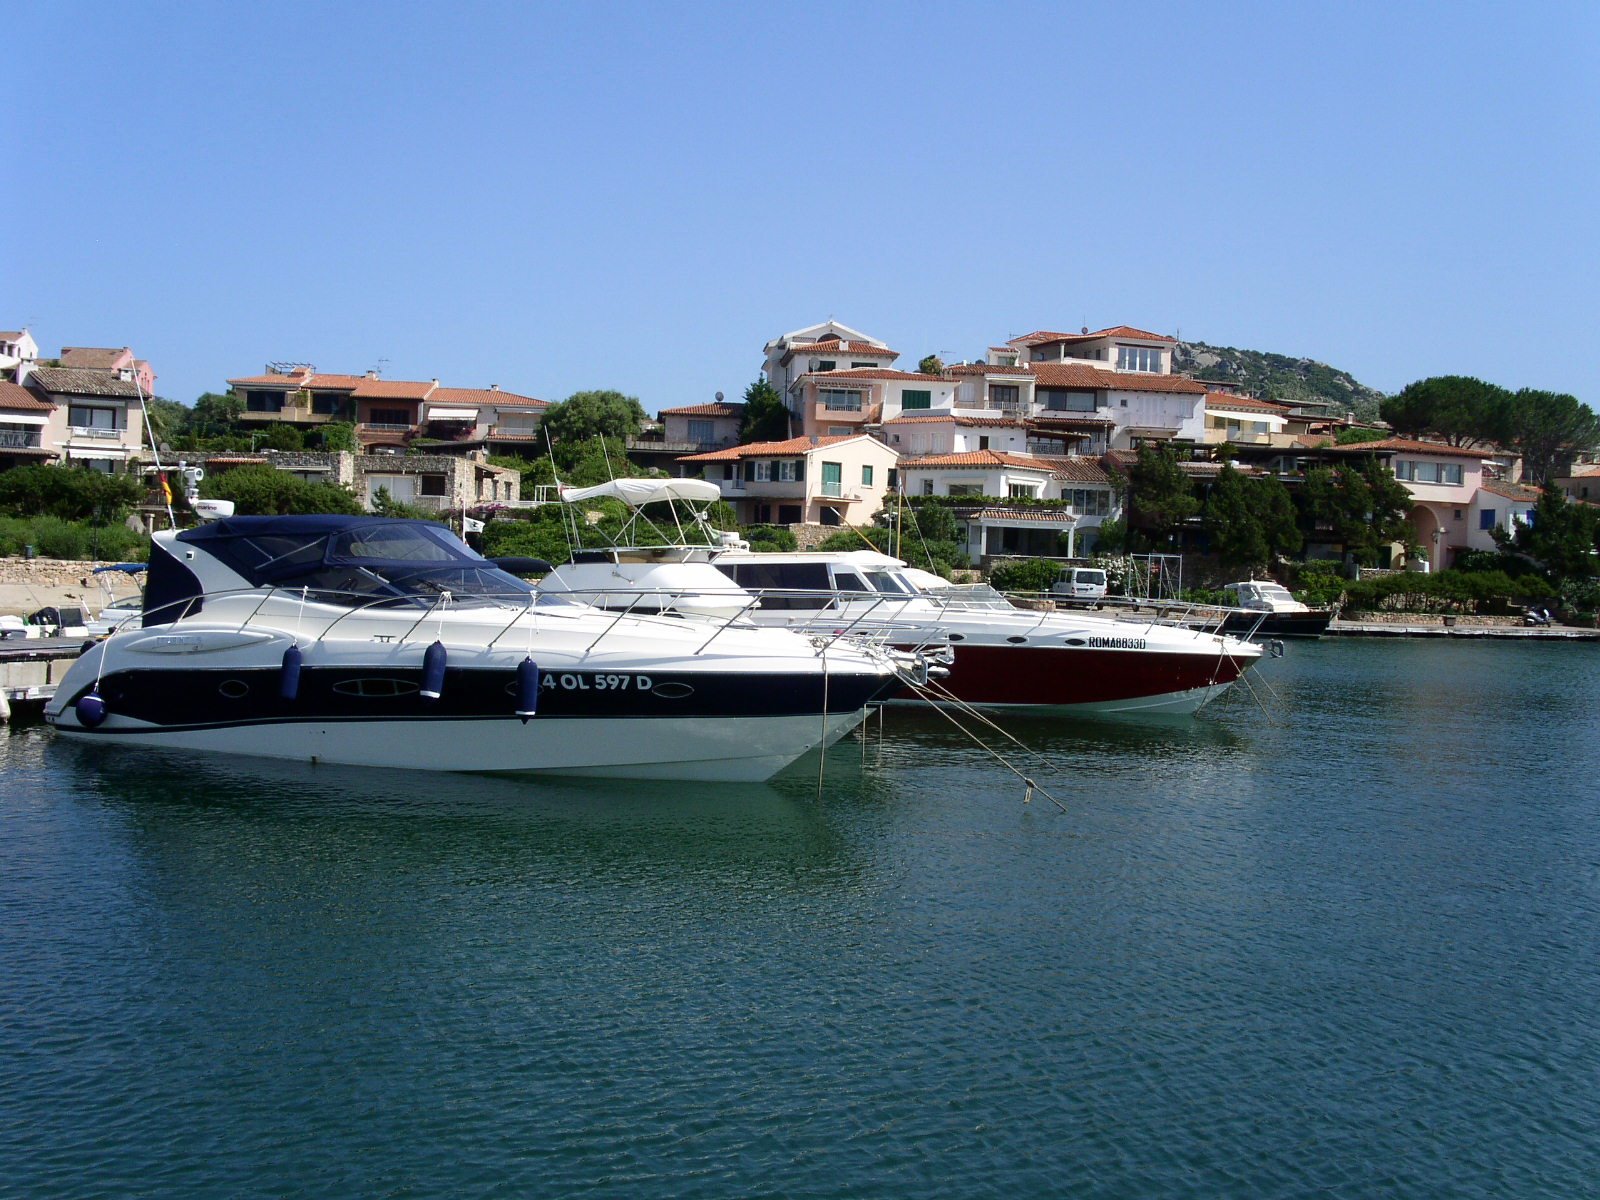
{"points": [[828, 480]]}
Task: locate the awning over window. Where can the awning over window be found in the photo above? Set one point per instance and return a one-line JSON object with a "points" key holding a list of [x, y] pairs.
{"points": [[452, 414], [116, 453], [11, 418]]}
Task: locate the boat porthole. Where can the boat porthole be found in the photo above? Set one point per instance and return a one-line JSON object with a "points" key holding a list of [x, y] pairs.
{"points": [[233, 689], [1016, 640], [672, 691], [956, 637], [1076, 642]]}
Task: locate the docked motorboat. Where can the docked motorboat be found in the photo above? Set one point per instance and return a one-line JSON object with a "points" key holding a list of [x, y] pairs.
{"points": [[388, 643], [117, 611], [1262, 607], [1001, 656]]}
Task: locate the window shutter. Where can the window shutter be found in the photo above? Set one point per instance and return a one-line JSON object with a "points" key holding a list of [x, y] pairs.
{"points": [[800, 470]]}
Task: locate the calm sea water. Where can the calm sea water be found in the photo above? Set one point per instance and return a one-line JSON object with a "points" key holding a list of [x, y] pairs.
{"points": [[1350, 948]]}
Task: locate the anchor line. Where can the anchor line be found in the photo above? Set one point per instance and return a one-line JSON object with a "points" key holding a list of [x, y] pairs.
{"points": [[1031, 785]]}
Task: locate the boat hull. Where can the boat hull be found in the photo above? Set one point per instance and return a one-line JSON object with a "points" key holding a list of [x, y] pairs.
{"points": [[1312, 624], [733, 750], [1085, 680], [617, 724]]}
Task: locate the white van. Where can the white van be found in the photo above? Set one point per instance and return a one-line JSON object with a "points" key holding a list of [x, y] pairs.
{"points": [[1080, 585]]}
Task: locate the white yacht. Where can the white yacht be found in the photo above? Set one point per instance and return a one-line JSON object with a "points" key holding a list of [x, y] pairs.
{"points": [[1003, 656], [1269, 609], [389, 643]]}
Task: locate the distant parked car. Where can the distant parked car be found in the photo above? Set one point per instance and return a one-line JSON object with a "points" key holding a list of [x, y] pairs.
{"points": [[1080, 585]]}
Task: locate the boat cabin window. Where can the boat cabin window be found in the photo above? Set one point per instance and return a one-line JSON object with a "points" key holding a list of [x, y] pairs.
{"points": [[846, 580], [783, 585], [395, 562], [890, 583]]}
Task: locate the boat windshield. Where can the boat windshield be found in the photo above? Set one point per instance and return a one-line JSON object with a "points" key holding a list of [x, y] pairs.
{"points": [[358, 561], [1273, 591]]}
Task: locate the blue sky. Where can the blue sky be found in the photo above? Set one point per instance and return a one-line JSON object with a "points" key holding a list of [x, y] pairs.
{"points": [[638, 196]]}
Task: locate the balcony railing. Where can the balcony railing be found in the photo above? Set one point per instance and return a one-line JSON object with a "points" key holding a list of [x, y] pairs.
{"points": [[96, 432], [16, 439], [829, 488], [386, 427]]}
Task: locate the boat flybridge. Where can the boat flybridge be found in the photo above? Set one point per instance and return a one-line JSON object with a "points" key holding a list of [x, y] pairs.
{"points": [[389, 643], [1002, 656], [1266, 607]]}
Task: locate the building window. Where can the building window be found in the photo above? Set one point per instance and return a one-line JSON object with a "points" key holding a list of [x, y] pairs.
{"points": [[913, 398], [389, 416], [927, 487], [763, 472], [827, 364], [1138, 358], [855, 366], [1004, 395], [840, 431], [1066, 400], [832, 479], [1089, 502], [1019, 491], [983, 442], [790, 514], [838, 401], [81, 416], [432, 485], [258, 401], [1486, 519], [866, 476], [964, 489], [789, 470], [702, 432]]}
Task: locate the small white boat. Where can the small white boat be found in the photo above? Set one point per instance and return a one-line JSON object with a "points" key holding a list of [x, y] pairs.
{"points": [[1269, 609]]}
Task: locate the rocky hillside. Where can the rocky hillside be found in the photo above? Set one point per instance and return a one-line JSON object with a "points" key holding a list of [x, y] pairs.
{"points": [[1277, 377]]}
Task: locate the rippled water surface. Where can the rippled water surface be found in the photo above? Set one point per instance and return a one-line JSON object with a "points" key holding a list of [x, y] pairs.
{"points": [[1353, 950]]}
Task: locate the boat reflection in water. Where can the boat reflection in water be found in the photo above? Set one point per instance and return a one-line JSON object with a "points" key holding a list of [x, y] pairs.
{"points": [[377, 642]]}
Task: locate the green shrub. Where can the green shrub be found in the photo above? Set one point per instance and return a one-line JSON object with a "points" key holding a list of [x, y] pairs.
{"points": [[771, 539], [1444, 592], [1319, 582], [1025, 575]]}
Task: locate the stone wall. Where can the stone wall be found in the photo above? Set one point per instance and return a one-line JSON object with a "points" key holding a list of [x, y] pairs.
{"points": [[49, 573]]}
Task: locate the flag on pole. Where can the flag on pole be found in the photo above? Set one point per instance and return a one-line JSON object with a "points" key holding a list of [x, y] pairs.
{"points": [[468, 525], [166, 490]]}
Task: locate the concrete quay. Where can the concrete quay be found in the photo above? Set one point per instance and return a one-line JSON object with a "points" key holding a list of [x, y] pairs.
{"points": [[1438, 627]]}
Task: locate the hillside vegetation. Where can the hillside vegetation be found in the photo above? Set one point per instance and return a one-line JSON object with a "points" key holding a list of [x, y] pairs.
{"points": [[1278, 377]]}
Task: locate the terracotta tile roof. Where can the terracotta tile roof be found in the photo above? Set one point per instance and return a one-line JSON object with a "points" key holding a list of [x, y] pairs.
{"points": [[1068, 424], [484, 396], [835, 346], [1229, 400], [1044, 337], [988, 369], [1410, 446], [69, 381], [322, 381], [1513, 491], [979, 459], [1584, 471], [292, 382], [1040, 516], [1083, 376], [94, 358], [719, 409], [796, 445], [1075, 469], [20, 399], [11, 335], [871, 373], [394, 389]]}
